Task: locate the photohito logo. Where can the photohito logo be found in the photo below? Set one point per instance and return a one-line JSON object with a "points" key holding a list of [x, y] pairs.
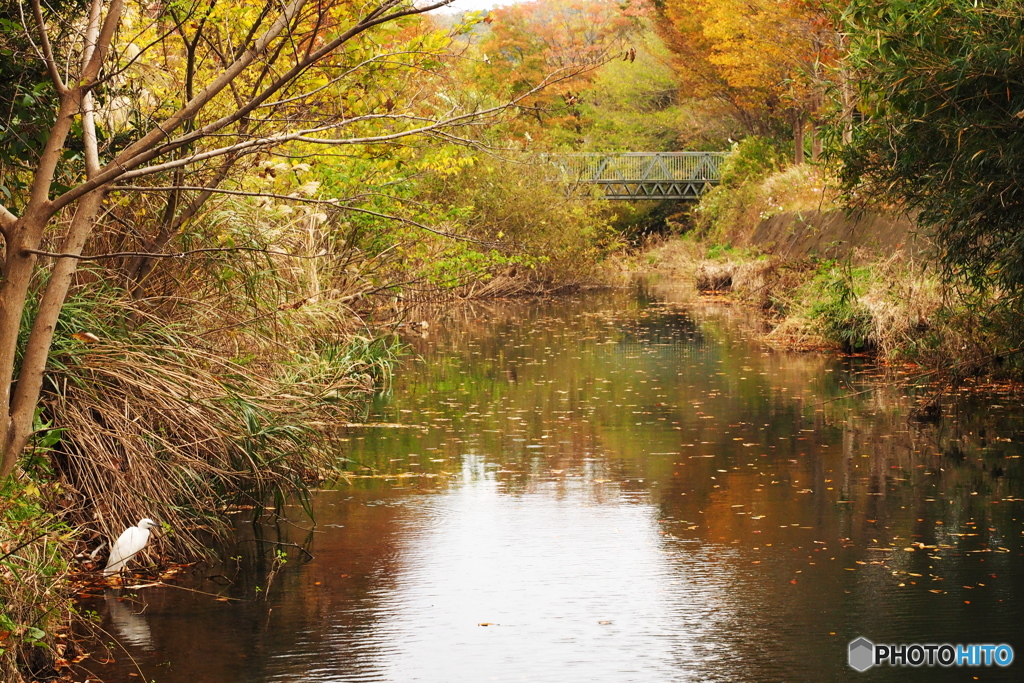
{"points": [[864, 654]]}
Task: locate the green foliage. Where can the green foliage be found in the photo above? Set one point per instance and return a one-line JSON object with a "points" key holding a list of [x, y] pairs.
{"points": [[941, 95], [750, 160], [537, 230], [835, 309], [729, 213], [717, 251], [726, 208], [33, 565], [636, 105]]}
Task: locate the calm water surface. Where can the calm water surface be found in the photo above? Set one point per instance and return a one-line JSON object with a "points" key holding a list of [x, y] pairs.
{"points": [[619, 486]]}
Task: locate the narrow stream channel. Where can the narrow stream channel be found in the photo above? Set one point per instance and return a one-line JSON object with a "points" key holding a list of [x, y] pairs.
{"points": [[618, 486]]}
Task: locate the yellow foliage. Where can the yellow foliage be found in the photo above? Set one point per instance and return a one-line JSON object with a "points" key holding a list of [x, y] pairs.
{"points": [[755, 54]]}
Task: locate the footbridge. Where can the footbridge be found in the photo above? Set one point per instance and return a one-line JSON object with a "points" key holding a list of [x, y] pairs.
{"points": [[641, 175]]}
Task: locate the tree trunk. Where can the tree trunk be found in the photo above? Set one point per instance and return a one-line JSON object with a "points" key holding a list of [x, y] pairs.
{"points": [[26, 392], [13, 294], [25, 235]]}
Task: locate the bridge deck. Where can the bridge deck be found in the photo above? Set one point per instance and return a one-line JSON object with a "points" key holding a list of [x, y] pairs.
{"points": [[642, 175]]}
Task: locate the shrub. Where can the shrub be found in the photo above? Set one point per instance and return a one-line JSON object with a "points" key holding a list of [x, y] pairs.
{"points": [[731, 211], [837, 312], [538, 232], [750, 160], [35, 601]]}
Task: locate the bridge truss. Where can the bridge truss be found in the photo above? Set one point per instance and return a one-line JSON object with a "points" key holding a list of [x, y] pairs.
{"points": [[642, 175]]}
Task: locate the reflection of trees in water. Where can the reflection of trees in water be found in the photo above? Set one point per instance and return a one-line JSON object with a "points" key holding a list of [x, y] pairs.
{"points": [[660, 394], [793, 478], [953, 469]]}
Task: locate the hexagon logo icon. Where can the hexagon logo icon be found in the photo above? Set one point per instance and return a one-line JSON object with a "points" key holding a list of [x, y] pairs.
{"points": [[862, 654]]}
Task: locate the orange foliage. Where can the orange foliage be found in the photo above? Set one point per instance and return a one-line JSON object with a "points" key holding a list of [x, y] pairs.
{"points": [[761, 57], [565, 40]]}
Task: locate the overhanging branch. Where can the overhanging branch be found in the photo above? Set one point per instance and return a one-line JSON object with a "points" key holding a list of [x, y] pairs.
{"points": [[179, 254]]}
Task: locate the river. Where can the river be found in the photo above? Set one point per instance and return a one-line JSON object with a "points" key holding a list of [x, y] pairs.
{"points": [[617, 486]]}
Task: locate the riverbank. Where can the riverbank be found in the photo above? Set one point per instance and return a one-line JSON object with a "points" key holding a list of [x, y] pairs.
{"points": [[828, 278]]}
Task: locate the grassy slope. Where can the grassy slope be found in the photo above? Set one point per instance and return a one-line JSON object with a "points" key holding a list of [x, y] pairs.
{"points": [[891, 303]]}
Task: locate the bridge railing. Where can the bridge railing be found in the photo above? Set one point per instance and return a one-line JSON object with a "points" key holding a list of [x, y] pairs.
{"points": [[638, 167]]}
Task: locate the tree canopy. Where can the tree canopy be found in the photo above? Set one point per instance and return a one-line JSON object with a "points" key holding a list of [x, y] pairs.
{"points": [[765, 60], [943, 116]]}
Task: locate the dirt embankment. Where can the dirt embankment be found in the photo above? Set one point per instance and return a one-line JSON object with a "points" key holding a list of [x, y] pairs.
{"points": [[795, 235]]}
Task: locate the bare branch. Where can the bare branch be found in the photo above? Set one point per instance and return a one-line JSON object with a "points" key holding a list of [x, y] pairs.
{"points": [[94, 60], [155, 255], [89, 138], [450, 235], [216, 190], [47, 49], [329, 202], [7, 219], [143, 150], [382, 59], [193, 106], [120, 171]]}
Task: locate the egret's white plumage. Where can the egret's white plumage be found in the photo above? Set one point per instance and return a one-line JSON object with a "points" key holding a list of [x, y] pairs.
{"points": [[128, 545]]}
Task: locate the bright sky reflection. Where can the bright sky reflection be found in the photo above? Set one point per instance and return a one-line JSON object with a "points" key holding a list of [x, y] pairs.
{"points": [[548, 566]]}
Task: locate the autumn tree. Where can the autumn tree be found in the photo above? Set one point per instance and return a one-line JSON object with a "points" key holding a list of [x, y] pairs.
{"points": [[530, 39], [766, 61], [166, 100]]}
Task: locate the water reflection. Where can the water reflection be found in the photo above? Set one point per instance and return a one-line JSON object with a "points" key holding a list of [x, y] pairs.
{"points": [[130, 626], [582, 574], [624, 487]]}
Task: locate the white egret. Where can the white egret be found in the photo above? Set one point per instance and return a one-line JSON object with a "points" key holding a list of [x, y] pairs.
{"points": [[128, 545]]}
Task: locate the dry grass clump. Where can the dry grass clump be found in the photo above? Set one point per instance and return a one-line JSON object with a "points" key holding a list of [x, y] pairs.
{"points": [[893, 307], [217, 387], [714, 277], [903, 299], [762, 281], [175, 434], [798, 188], [880, 307], [678, 256]]}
